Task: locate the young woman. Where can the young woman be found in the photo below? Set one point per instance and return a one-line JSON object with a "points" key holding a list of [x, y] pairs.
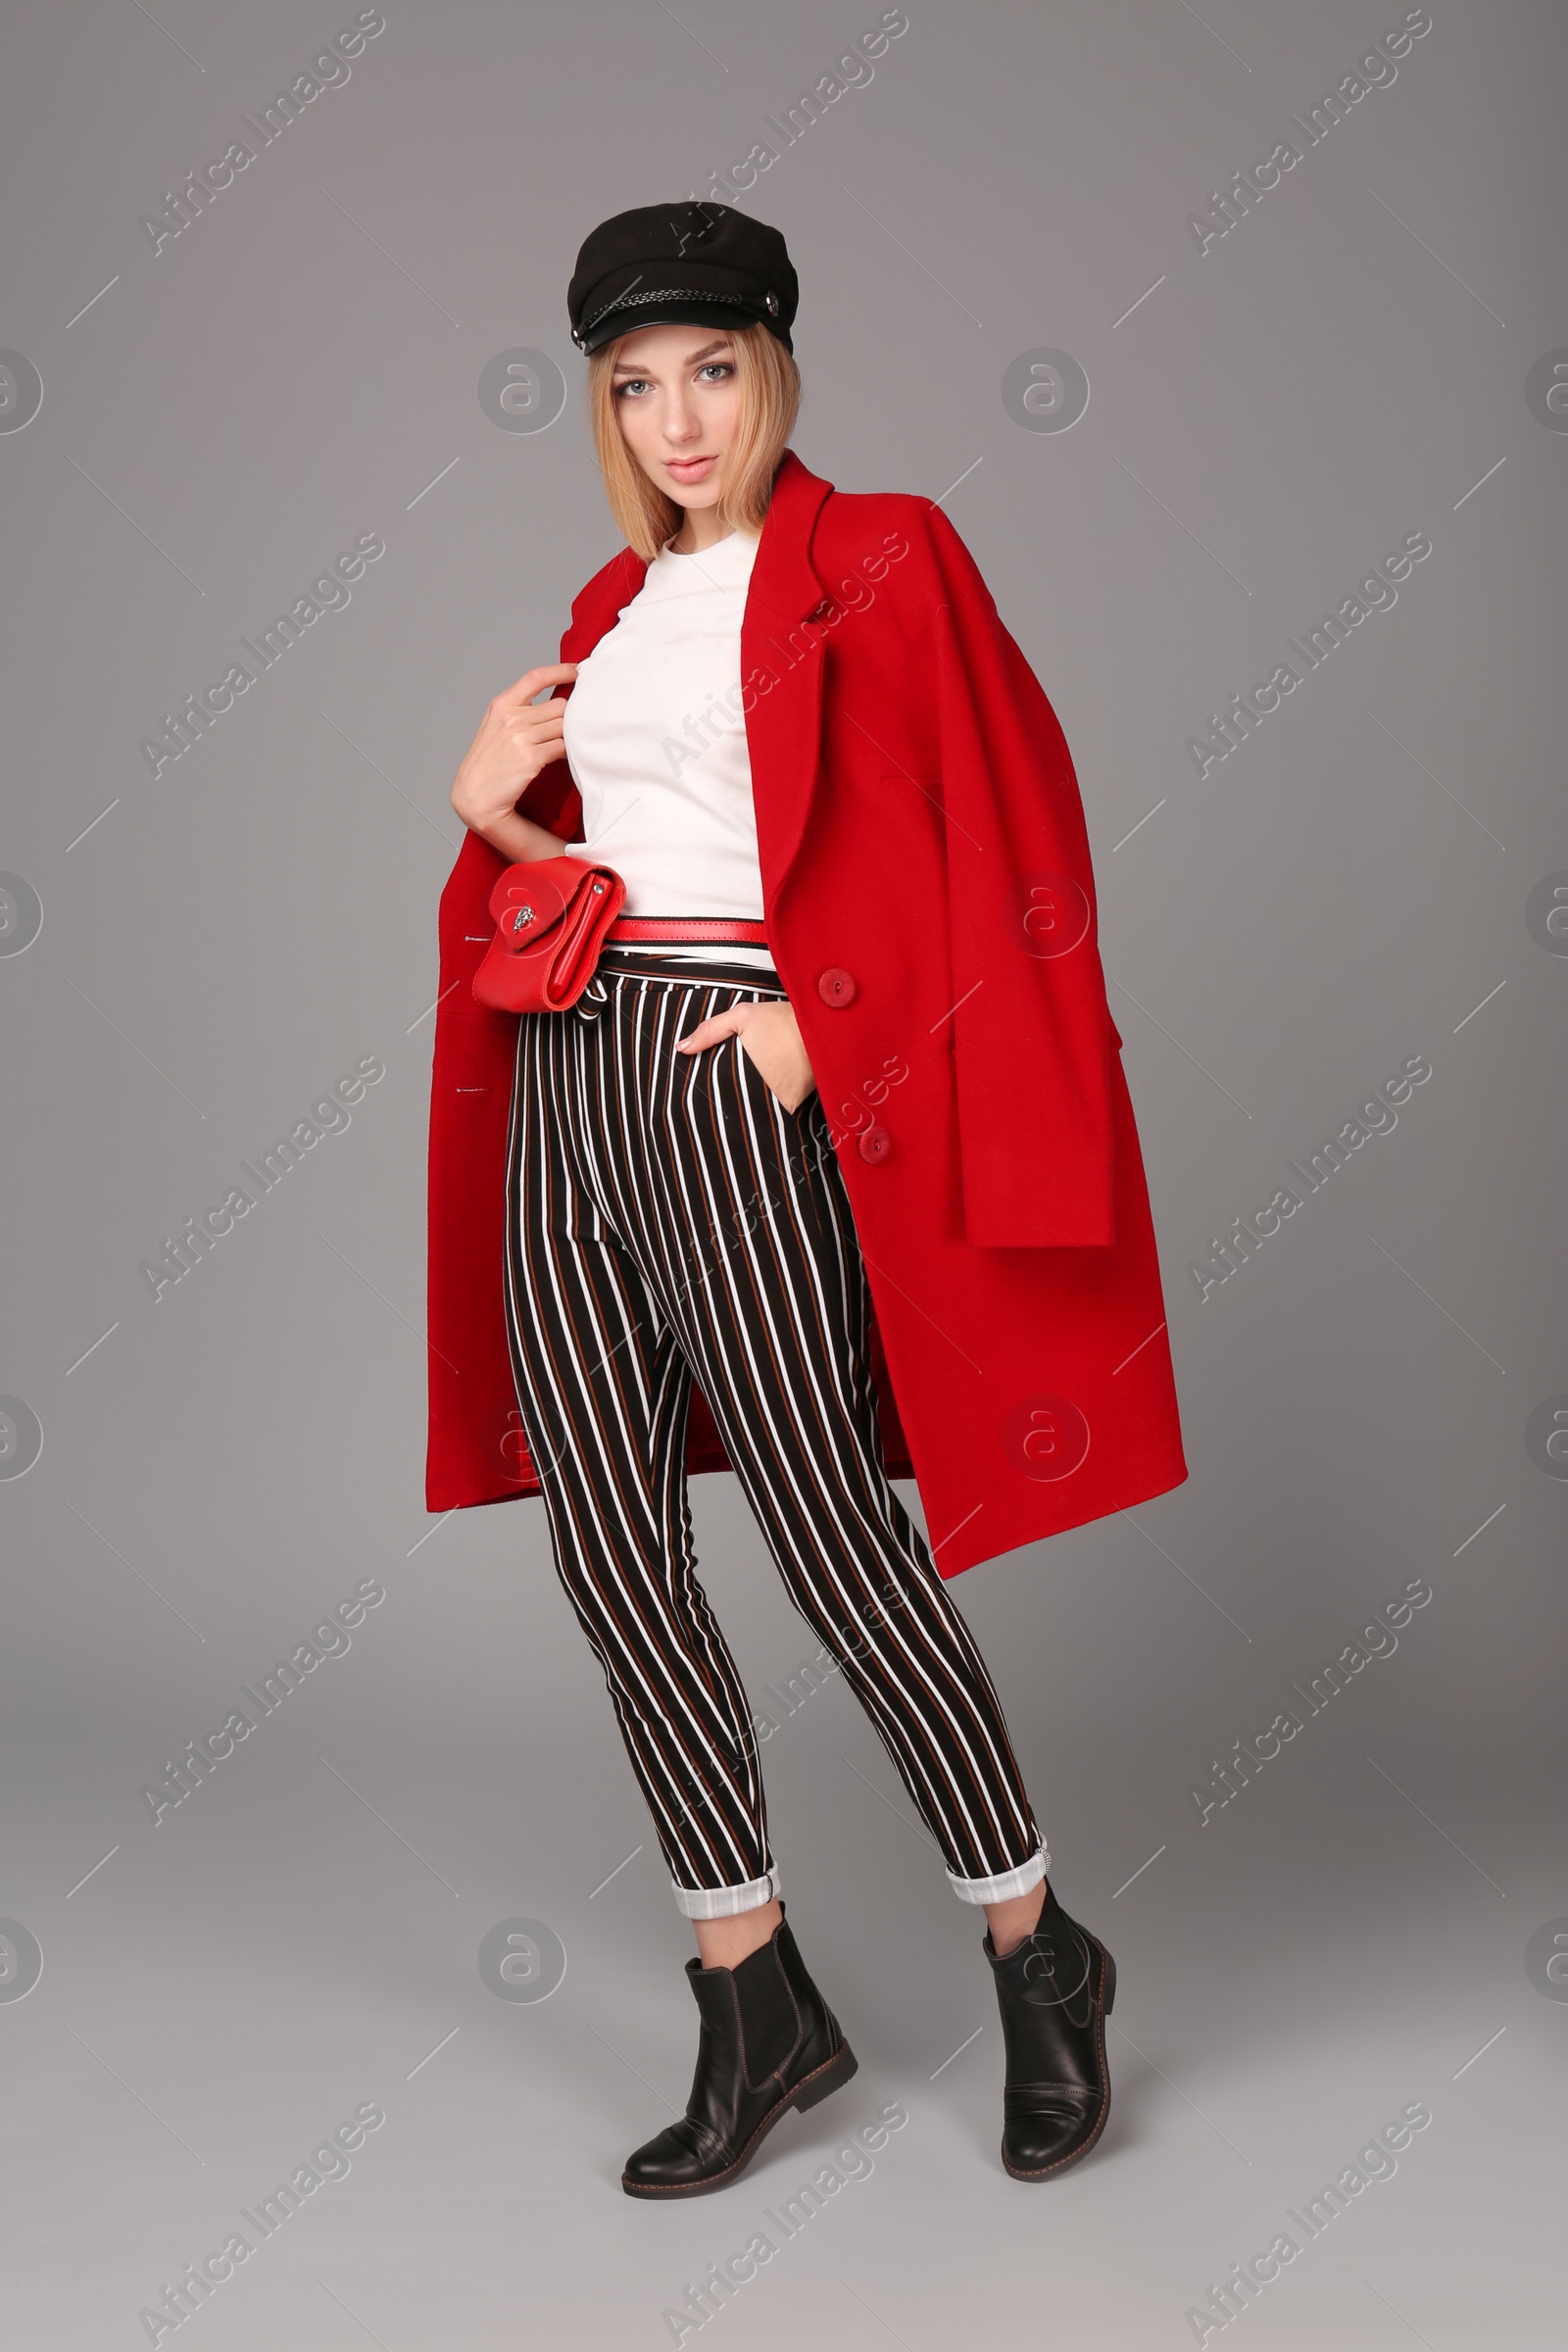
{"points": [[831, 1172]]}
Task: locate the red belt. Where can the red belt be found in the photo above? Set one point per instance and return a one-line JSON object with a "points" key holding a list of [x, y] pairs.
{"points": [[722, 928]]}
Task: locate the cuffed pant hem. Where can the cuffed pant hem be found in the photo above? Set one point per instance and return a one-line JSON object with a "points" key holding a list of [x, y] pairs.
{"points": [[724, 1902], [1006, 1883]]}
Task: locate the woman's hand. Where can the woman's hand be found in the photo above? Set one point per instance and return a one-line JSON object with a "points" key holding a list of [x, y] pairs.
{"points": [[517, 738], [770, 1038]]}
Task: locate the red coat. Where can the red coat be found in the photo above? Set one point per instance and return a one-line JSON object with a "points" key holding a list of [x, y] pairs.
{"points": [[921, 831]]}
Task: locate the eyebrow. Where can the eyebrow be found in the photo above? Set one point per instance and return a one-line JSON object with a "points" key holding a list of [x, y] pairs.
{"points": [[692, 359]]}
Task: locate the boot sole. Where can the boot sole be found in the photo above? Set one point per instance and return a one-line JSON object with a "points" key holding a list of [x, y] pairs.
{"points": [[819, 2085], [1103, 2008]]}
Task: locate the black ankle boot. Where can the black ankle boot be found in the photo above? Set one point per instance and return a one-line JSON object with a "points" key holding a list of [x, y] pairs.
{"points": [[770, 2041], [1054, 1990]]}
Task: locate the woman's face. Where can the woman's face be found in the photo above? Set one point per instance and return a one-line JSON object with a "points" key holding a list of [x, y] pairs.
{"points": [[677, 396]]}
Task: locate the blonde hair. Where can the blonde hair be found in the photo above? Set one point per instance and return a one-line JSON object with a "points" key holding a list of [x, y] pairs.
{"points": [[770, 398]]}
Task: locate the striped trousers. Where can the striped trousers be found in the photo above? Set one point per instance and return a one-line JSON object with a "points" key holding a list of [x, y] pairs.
{"points": [[668, 1219]]}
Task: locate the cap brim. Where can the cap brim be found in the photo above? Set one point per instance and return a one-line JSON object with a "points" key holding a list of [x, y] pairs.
{"points": [[676, 312]]}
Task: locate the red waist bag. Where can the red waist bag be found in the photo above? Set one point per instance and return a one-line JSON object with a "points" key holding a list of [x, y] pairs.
{"points": [[550, 919]]}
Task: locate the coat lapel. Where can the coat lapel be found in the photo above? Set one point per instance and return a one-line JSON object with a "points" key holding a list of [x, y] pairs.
{"points": [[599, 606], [784, 722]]}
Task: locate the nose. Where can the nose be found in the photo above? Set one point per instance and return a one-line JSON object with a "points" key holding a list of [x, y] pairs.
{"points": [[682, 423]]}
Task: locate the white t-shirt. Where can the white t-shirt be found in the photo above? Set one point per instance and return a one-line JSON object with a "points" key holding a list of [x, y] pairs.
{"points": [[655, 741]]}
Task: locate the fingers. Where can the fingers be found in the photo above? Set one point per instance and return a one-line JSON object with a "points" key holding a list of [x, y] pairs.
{"points": [[537, 718], [545, 751], [783, 1066], [719, 1026], [706, 1033], [535, 681]]}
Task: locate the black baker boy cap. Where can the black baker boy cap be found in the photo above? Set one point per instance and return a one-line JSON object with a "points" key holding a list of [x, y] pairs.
{"points": [[681, 265]]}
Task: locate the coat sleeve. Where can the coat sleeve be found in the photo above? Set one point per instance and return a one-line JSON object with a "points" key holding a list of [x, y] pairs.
{"points": [[1032, 1033], [474, 1454]]}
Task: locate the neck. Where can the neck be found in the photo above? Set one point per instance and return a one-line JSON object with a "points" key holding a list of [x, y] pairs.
{"points": [[700, 529]]}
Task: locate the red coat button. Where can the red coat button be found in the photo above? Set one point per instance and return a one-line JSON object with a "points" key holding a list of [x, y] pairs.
{"points": [[875, 1144], [836, 987]]}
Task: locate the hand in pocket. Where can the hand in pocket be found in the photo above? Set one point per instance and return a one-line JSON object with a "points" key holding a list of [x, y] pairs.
{"points": [[770, 1039]]}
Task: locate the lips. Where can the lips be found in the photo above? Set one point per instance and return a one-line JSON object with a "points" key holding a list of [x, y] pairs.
{"points": [[690, 470]]}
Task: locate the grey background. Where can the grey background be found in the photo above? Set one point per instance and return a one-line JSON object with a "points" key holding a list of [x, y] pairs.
{"points": [[294, 370]]}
